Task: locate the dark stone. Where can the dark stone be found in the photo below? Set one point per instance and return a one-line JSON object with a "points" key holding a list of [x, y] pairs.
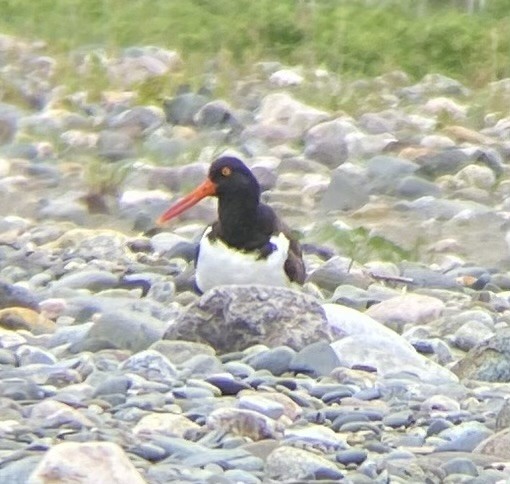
{"points": [[275, 360], [231, 318], [227, 384], [17, 296], [351, 456], [182, 108], [443, 162]]}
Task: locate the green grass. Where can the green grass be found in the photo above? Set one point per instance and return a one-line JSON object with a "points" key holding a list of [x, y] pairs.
{"points": [[344, 36]]}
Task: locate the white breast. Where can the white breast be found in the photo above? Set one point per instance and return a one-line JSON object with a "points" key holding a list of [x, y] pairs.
{"points": [[218, 264]]}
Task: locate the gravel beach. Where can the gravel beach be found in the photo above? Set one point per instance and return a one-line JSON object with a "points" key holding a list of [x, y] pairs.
{"points": [[391, 363]]}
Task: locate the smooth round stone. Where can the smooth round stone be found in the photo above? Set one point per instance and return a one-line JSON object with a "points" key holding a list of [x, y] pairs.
{"points": [[238, 369], [440, 403], [460, 465], [437, 426], [348, 418], [149, 451], [93, 280], [319, 390], [370, 414], [192, 393], [337, 395], [227, 384], [351, 456], [463, 437], [124, 328], [17, 389], [261, 404], [172, 472], [316, 359], [32, 355], [424, 347], [275, 360], [368, 394], [17, 296], [202, 366], [240, 476], [403, 418], [316, 436], [113, 385], [360, 426], [225, 458], [182, 108]]}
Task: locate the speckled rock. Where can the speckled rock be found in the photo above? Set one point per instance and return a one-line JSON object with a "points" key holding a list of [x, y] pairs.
{"points": [[489, 361], [231, 318]]}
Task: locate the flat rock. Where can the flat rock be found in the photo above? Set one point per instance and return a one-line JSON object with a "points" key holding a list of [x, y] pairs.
{"points": [[124, 329], [368, 342], [316, 359], [86, 463], [232, 318]]}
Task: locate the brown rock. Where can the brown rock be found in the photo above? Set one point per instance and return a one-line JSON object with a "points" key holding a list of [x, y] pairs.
{"points": [[24, 318]]}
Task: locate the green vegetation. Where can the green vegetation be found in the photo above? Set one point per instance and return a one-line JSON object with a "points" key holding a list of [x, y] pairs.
{"points": [[356, 38], [360, 244]]}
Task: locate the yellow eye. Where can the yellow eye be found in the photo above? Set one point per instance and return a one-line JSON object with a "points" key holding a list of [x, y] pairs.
{"points": [[226, 171]]}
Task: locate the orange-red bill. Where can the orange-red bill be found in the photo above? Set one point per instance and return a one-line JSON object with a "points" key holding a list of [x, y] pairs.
{"points": [[206, 189]]}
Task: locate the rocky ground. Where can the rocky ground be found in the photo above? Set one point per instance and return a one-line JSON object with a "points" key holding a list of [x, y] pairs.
{"points": [[391, 364]]}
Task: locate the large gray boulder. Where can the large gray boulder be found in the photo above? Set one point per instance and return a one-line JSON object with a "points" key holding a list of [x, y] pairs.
{"points": [[232, 318]]}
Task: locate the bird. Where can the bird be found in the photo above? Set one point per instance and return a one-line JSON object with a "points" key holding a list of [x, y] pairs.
{"points": [[248, 243]]}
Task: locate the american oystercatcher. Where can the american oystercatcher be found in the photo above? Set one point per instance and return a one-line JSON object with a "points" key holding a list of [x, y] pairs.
{"points": [[248, 244]]}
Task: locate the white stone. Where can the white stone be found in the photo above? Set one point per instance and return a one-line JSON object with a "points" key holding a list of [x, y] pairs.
{"points": [[86, 463], [368, 342]]}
